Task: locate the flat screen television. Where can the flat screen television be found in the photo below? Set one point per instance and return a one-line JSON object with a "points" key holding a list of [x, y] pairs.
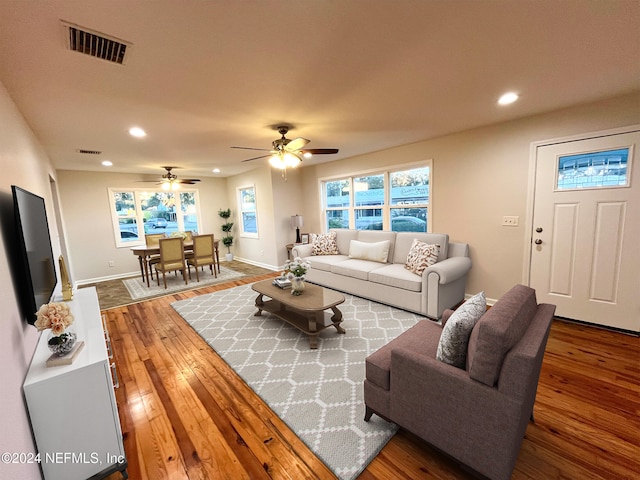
{"points": [[36, 262]]}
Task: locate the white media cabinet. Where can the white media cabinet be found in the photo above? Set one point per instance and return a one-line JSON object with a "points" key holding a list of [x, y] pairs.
{"points": [[73, 410]]}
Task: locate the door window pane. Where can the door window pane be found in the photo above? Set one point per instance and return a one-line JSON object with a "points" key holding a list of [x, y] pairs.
{"points": [[606, 169]]}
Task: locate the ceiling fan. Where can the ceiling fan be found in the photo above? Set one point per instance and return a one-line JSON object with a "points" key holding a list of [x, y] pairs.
{"points": [[170, 181], [288, 153]]}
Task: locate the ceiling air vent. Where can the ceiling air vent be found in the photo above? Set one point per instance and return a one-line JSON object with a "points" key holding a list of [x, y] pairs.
{"points": [[94, 44], [89, 152]]}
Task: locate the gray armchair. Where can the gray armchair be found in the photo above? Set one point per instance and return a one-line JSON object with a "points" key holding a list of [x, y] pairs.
{"points": [[477, 415]]}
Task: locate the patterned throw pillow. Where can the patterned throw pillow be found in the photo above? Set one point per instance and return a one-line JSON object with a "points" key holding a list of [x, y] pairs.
{"points": [[325, 244], [452, 348], [421, 255]]}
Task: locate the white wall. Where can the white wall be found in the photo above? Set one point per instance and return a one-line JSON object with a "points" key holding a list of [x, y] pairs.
{"points": [[22, 163], [89, 232], [479, 176]]}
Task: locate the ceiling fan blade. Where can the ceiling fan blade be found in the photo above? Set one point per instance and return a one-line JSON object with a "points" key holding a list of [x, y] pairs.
{"points": [[250, 148], [256, 158], [296, 144], [320, 151], [188, 181]]}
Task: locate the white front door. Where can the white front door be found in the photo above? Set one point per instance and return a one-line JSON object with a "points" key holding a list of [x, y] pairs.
{"points": [[585, 239]]}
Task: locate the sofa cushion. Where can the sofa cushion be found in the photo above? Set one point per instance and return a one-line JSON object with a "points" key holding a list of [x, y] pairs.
{"points": [[355, 268], [325, 262], [422, 337], [344, 237], [498, 331], [376, 251], [324, 244], [452, 348], [421, 256], [395, 275]]}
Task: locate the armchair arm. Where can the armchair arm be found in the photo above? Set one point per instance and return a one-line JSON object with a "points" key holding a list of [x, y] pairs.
{"points": [[473, 422], [450, 269], [301, 251]]}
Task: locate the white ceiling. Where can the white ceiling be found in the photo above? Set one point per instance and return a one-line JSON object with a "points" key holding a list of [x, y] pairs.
{"points": [[358, 75]]}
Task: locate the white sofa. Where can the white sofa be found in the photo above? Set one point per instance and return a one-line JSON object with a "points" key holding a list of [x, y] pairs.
{"points": [[440, 287]]}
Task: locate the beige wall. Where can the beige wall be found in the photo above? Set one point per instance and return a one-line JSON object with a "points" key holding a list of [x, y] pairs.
{"points": [[277, 200], [478, 177], [22, 163], [89, 232]]}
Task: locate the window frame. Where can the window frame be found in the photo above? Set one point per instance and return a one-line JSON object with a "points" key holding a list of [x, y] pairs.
{"points": [[386, 207], [139, 215], [241, 210]]}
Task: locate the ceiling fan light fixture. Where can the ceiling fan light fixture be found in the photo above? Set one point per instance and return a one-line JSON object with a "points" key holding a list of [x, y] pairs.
{"points": [[277, 162], [307, 155], [170, 185], [292, 160]]}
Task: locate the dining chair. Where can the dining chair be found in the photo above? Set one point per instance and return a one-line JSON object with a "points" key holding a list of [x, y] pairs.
{"points": [[152, 240], [203, 254], [171, 259]]}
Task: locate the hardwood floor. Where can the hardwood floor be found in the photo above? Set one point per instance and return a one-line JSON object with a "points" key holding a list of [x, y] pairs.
{"points": [[186, 415]]}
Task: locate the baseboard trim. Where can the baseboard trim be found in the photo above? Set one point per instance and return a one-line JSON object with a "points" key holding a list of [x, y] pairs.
{"points": [[252, 262], [89, 281]]}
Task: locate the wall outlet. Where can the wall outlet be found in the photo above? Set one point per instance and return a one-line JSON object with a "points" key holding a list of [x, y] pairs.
{"points": [[112, 263], [510, 221]]}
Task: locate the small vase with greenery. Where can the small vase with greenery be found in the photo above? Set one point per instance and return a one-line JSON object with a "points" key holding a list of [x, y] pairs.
{"points": [[227, 238]]}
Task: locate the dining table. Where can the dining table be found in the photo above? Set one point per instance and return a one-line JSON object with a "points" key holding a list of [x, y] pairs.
{"points": [[144, 252]]}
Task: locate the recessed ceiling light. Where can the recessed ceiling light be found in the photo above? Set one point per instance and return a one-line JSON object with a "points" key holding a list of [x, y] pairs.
{"points": [[107, 163], [137, 132], [216, 170], [508, 98]]}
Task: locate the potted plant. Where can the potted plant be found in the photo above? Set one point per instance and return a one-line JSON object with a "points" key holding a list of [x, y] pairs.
{"points": [[227, 239]]}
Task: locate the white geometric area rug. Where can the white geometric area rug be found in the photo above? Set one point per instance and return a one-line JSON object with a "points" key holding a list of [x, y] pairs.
{"points": [[137, 287], [318, 393]]}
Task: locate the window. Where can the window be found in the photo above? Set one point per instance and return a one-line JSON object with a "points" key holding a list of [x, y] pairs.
{"points": [[396, 200], [248, 212], [139, 212], [409, 200], [606, 169], [337, 196]]}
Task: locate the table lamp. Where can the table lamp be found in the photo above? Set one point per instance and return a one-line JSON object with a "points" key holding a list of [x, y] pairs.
{"points": [[297, 222]]}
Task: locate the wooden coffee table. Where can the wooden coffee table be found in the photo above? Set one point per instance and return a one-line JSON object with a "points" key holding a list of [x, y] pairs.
{"points": [[305, 312]]}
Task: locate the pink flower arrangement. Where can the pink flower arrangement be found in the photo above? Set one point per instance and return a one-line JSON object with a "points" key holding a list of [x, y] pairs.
{"points": [[56, 316]]}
